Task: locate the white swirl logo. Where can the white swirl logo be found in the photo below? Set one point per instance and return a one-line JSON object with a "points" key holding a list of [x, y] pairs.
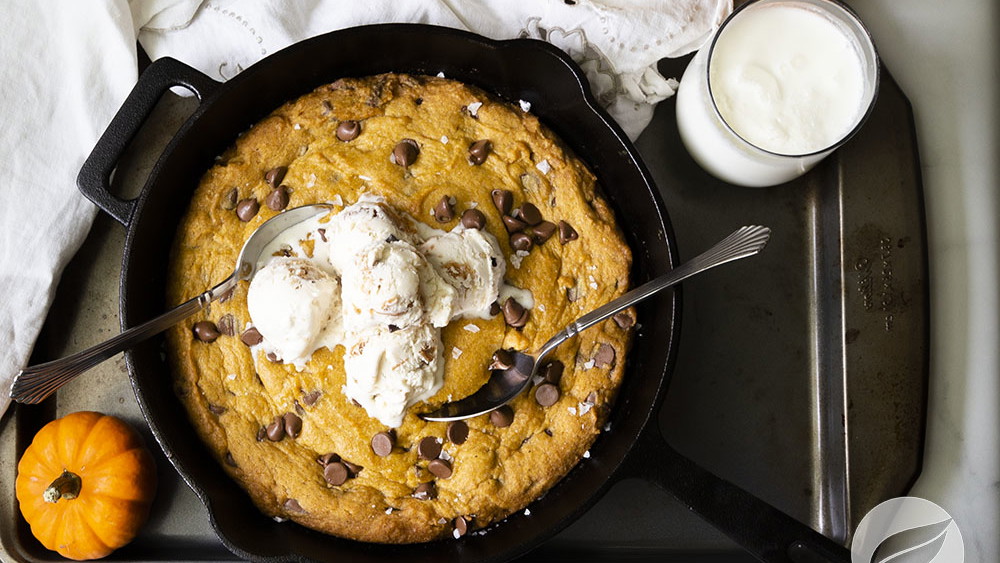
{"points": [[907, 530]]}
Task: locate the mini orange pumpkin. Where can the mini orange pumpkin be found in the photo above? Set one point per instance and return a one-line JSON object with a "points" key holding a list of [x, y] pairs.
{"points": [[85, 485]]}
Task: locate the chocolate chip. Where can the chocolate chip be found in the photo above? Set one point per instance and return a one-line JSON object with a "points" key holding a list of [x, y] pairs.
{"points": [[429, 448], [227, 324], [502, 417], [391, 238], [327, 459], [494, 309], [425, 491], [512, 224], [503, 200], [277, 199], [502, 359], [405, 152], [348, 130], [461, 526], [216, 409], [624, 320], [393, 328], [247, 208], [230, 460], [276, 430], [292, 505], [515, 315], [605, 356], [528, 213], [591, 398], [272, 357], [327, 107], [543, 231], [457, 432], [261, 434], [227, 295], [293, 424], [552, 371], [309, 399], [443, 211], [473, 219], [479, 150], [335, 473], [440, 468], [205, 331], [383, 442], [352, 468], [229, 200], [567, 232], [521, 241], [546, 394], [251, 337], [274, 176]]}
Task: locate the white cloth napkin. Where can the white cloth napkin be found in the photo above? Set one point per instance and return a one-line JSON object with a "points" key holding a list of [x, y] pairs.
{"points": [[66, 67], [64, 70], [616, 42]]}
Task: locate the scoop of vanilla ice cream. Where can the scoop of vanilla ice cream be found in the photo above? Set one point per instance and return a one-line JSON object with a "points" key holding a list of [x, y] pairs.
{"points": [[389, 371], [360, 225], [382, 288], [391, 284], [296, 307], [470, 261]]}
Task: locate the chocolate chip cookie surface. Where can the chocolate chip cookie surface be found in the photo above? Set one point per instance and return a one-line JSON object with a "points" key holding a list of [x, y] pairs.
{"points": [[446, 154]]}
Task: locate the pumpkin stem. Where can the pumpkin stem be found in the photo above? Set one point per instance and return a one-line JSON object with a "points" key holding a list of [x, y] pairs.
{"points": [[65, 486]]}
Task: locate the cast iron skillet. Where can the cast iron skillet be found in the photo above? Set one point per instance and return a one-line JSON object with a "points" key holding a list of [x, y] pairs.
{"points": [[519, 69]]}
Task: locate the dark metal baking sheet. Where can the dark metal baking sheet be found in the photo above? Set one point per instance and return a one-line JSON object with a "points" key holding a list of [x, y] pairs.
{"points": [[800, 377]]}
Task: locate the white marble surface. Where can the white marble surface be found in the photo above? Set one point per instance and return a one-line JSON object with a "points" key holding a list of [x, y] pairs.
{"points": [[945, 57]]}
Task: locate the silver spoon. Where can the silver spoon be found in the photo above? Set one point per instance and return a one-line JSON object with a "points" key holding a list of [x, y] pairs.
{"points": [[504, 385], [34, 383]]}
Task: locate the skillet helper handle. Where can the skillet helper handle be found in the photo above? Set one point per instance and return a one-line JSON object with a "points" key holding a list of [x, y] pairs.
{"points": [[762, 530], [94, 179]]}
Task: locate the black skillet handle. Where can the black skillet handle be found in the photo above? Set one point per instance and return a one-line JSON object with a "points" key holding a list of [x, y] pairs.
{"points": [[94, 179], [762, 530]]}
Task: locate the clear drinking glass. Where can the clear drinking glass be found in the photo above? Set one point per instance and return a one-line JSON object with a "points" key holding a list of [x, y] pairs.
{"points": [[722, 148]]}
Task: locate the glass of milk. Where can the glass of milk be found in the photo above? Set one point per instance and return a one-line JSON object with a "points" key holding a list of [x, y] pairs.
{"points": [[781, 85]]}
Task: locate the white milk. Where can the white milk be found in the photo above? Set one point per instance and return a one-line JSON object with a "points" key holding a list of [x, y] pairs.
{"points": [[791, 79]]}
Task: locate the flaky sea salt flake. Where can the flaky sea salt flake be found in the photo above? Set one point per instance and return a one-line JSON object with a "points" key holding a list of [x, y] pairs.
{"points": [[544, 167], [471, 328], [456, 353], [525, 106], [474, 108]]}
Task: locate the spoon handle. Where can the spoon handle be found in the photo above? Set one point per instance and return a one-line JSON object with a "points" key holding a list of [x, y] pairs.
{"points": [[744, 242], [34, 383]]}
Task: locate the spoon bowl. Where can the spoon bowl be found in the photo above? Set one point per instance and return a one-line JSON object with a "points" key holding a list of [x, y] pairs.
{"points": [[34, 383], [505, 384]]}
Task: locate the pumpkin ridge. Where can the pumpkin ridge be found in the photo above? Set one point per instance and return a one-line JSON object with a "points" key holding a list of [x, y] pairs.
{"points": [[85, 542], [108, 478], [108, 436], [70, 434]]}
